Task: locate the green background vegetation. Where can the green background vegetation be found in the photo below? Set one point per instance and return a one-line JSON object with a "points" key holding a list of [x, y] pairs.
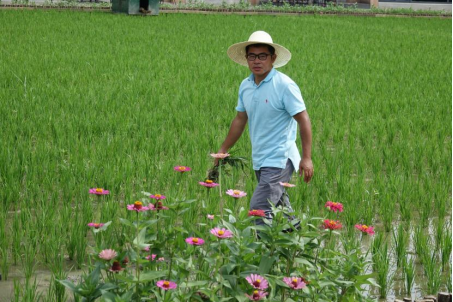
{"points": [[115, 101]]}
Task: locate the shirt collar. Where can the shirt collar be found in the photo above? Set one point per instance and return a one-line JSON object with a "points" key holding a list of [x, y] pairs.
{"points": [[267, 79]]}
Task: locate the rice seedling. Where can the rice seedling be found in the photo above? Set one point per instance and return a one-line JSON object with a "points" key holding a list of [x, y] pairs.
{"points": [[433, 271], [401, 241], [382, 267], [409, 271], [446, 247]]}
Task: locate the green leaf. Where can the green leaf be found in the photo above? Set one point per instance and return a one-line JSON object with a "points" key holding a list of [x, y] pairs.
{"points": [[193, 283], [266, 264], [151, 275], [127, 222], [68, 284]]}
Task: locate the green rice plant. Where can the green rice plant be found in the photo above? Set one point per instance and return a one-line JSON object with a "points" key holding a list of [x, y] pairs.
{"points": [[387, 211], [409, 270], [433, 271], [446, 246], [421, 243], [401, 241], [16, 231], [382, 267]]}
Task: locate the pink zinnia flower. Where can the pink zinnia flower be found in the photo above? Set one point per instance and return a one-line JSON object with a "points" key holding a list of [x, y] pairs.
{"points": [[257, 281], [259, 213], [220, 155], [334, 206], [211, 217], [107, 254], [236, 193], [151, 257], [146, 249], [160, 259], [116, 267], [157, 196], [221, 233], [194, 241], [365, 229], [137, 206], [95, 225], [166, 285], [287, 185], [257, 295], [182, 169], [208, 183], [159, 206], [99, 191], [331, 224], [294, 282]]}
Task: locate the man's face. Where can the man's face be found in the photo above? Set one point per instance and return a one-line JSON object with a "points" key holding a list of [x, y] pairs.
{"points": [[260, 68]]}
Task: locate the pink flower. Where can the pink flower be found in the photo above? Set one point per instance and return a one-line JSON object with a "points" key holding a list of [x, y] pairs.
{"points": [[294, 282], [146, 249], [220, 155], [194, 241], [236, 193], [221, 233], [157, 196], [257, 295], [208, 183], [160, 259], [365, 229], [257, 281], [181, 169], [334, 206], [331, 224], [99, 191], [137, 206], [259, 213], [151, 257], [107, 254], [211, 217], [159, 206], [287, 185], [95, 225], [116, 267], [166, 285]]}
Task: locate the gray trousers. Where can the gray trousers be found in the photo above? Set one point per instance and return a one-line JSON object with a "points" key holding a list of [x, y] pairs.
{"points": [[269, 189]]}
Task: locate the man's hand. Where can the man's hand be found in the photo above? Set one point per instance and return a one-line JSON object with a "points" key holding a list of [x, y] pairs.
{"points": [[306, 169]]}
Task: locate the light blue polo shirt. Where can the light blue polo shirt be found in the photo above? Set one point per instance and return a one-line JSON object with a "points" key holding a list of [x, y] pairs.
{"points": [[270, 107]]}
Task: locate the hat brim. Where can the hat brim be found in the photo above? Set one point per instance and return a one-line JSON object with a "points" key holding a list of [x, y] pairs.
{"points": [[236, 52]]}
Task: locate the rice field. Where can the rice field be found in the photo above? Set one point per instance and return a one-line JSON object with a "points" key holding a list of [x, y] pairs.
{"points": [[100, 100]]}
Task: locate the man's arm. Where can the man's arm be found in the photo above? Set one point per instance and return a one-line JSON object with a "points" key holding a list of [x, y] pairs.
{"points": [[236, 129], [306, 165]]}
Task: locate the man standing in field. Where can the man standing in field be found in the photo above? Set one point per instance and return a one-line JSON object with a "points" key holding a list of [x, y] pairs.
{"points": [[272, 104]]}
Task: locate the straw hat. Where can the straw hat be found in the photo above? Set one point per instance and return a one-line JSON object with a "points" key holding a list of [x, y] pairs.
{"points": [[236, 52]]}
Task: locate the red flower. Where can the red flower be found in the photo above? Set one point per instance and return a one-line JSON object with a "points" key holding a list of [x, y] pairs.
{"points": [[331, 224], [259, 213]]}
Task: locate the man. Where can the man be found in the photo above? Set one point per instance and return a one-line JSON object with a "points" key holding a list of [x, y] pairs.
{"points": [[272, 104]]}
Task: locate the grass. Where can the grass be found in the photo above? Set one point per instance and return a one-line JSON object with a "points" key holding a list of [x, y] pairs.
{"points": [[114, 101]]}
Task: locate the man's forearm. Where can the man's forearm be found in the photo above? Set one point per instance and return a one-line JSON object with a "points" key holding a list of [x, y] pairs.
{"points": [[305, 133], [235, 132]]}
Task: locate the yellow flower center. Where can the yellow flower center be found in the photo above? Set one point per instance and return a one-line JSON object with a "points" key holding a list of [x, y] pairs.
{"points": [[294, 280], [332, 222], [209, 181], [258, 281], [236, 192], [158, 195], [220, 232], [255, 292], [334, 203], [138, 203], [99, 190], [166, 284], [182, 168], [195, 240], [364, 227]]}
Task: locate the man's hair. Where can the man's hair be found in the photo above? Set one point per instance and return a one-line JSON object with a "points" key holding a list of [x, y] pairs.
{"points": [[269, 47]]}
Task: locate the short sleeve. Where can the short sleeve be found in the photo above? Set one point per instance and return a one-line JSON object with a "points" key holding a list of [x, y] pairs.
{"points": [[292, 99], [240, 106]]}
